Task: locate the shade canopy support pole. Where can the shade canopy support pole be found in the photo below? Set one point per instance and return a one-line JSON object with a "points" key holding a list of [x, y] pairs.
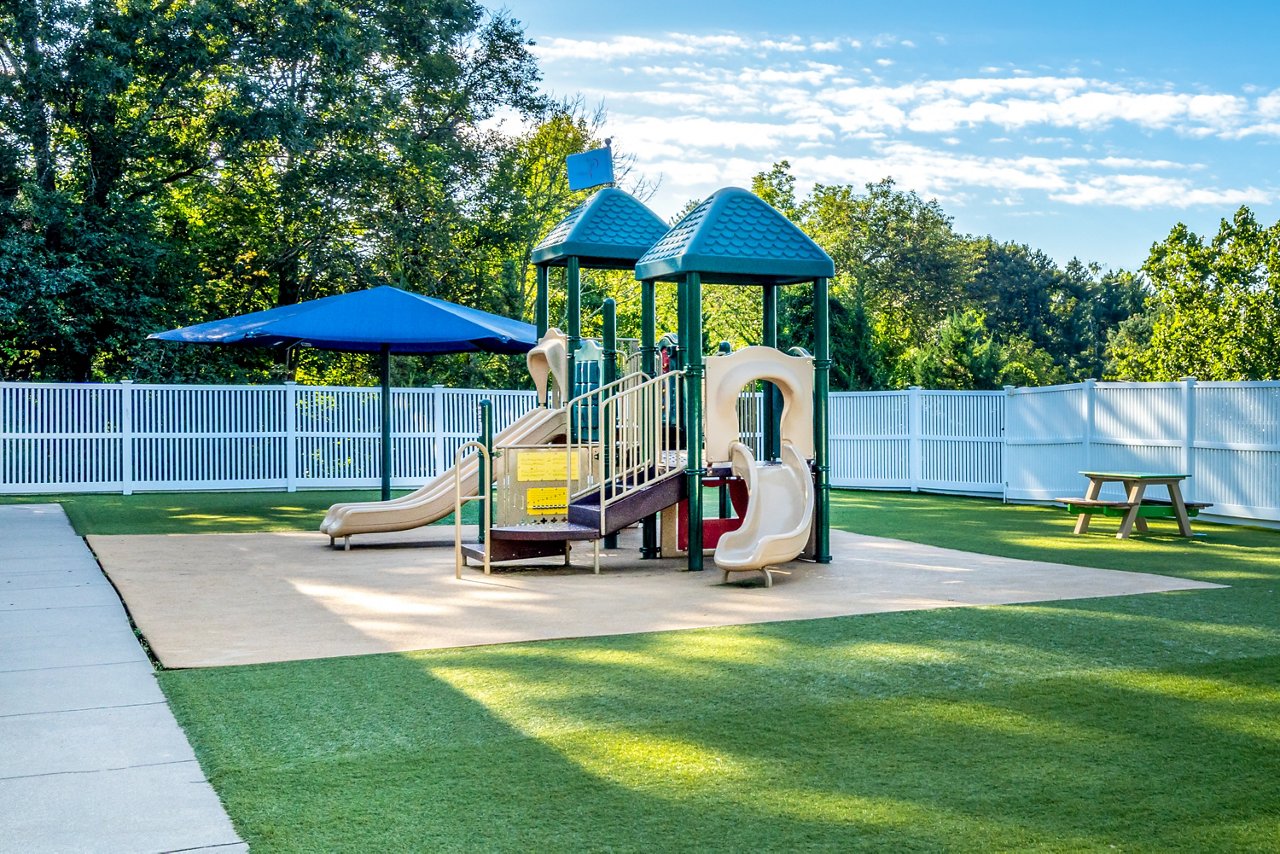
{"points": [[384, 370]]}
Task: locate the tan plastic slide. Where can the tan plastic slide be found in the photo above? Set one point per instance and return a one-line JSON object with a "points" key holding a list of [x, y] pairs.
{"points": [[779, 514], [435, 500], [780, 509], [432, 502]]}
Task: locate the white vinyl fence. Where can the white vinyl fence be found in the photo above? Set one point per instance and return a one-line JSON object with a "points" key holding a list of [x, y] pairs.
{"points": [[1017, 444], [126, 437]]}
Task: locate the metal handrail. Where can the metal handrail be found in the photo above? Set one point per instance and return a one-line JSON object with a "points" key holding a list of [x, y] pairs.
{"points": [[483, 496], [638, 439]]}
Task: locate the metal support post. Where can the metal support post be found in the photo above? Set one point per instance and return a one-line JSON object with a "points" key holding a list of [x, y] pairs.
{"points": [[573, 280], [821, 433], [385, 369], [693, 424], [610, 373], [649, 364], [770, 444], [541, 312], [486, 476]]}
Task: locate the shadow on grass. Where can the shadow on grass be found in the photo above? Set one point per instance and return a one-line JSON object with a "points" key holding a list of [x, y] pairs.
{"points": [[733, 740]]}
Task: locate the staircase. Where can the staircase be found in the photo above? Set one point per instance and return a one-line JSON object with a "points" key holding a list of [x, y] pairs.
{"points": [[630, 428]]}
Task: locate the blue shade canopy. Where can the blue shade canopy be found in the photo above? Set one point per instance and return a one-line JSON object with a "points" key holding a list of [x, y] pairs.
{"points": [[734, 237], [367, 322], [610, 230]]}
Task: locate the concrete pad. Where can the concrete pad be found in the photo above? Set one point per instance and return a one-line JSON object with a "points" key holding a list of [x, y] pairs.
{"points": [[91, 740], [39, 579], [83, 595], [67, 637], [151, 809], [91, 758], [219, 599], [125, 683]]}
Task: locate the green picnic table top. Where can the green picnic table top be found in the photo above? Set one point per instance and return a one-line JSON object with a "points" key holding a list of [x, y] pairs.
{"points": [[1136, 475]]}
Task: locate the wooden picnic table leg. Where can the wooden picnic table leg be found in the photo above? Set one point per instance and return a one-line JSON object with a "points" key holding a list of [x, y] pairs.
{"points": [[1082, 521], [1180, 509], [1136, 488]]}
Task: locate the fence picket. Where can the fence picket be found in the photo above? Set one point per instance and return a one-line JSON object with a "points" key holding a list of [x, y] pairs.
{"points": [[1022, 444]]}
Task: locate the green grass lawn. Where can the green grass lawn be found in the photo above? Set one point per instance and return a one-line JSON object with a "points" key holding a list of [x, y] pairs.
{"points": [[201, 512], [1140, 723]]}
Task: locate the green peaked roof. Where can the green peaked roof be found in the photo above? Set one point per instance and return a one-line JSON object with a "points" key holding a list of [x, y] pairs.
{"points": [[611, 230], [735, 237]]}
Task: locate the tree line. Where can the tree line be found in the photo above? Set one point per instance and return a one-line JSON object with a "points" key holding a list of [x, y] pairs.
{"points": [[166, 162]]}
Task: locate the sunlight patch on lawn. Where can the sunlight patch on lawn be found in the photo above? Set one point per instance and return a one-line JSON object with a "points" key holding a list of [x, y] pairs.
{"points": [[1181, 686], [641, 760], [1213, 629]]}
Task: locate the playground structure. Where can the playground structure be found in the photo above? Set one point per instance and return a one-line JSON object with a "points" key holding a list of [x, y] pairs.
{"points": [[582, 467]]}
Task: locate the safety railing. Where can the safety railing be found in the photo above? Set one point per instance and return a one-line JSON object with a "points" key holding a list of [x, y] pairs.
{"points": [[640, 438], [484, 496]]}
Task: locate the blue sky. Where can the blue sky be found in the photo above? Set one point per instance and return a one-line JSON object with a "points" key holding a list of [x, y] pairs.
{"points": [[1084, 129]]}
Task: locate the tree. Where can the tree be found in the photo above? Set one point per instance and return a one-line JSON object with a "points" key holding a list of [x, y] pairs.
{"points": [[1215, 306], [961, 354], [168, 161]]}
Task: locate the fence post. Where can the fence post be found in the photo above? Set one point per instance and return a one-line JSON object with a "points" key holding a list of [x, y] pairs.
{"points": [[915, 418], [1004, 442], [1090, 399], [1189, 437], [291, 435], [439, 463], [126, 436]]}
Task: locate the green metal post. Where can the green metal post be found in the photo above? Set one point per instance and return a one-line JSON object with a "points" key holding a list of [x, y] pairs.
{"points": [[384, 368], [648, 330], [573, 280], [649, 364], [682, 326], [610, 353], [771, 442], [693, 414], [821, 438], [486, 439], [541, 310]]}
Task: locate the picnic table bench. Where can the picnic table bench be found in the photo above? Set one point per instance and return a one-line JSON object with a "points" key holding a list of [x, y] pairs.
{"points": [[1136, 508]]}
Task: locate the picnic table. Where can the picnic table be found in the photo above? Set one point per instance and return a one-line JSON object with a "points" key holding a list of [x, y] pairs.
{"points": [[1136, 508]]}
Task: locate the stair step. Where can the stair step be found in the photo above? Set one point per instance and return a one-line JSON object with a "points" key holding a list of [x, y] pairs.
{"points": [[500, 550], [551, 531]]}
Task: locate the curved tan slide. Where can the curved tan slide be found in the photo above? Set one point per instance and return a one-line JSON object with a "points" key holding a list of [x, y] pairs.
{"points": [[726, 375], [779, 515], [435, 499]]}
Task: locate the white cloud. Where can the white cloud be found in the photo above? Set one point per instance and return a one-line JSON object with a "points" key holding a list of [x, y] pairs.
{"points": [[1148, 191], [555, 48], [703, 111], [1268, 106]]}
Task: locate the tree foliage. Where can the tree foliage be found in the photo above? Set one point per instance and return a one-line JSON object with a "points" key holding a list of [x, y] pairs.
{"points": [[169, 161], [1215, 310]]}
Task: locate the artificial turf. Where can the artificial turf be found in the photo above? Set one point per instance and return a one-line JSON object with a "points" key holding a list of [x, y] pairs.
{"points": [[200, 512], [1129, 723]]}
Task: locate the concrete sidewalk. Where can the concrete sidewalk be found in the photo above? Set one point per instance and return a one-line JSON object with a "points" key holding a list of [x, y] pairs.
{"points": [[91, 758]]}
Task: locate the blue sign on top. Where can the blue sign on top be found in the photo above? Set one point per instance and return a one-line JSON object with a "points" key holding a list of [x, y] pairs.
{"points": [[590, 169]]}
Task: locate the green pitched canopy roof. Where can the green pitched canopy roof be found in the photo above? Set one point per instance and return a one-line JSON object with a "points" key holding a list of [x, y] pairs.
{"points": [[609, 230], [735, 237]]}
